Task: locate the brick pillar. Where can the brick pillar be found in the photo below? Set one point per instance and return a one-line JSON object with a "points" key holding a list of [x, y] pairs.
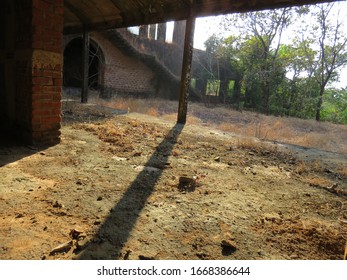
{"points": [[38, 69]]}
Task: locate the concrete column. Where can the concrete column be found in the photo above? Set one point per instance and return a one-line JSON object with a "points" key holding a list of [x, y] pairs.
{"points": [[152, 29], [143, 31], [162, 32], [178, 32]]}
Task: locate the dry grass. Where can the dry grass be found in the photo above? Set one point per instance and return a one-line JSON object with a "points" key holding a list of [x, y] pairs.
{"points": [[307, 133], [342, 171], [319, 182]]}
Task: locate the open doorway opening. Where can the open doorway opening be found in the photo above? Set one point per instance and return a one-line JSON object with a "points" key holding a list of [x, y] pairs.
{"points": [[72, 76]]}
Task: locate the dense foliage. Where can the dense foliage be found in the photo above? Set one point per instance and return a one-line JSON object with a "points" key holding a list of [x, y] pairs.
{"points": [[291, 78]]}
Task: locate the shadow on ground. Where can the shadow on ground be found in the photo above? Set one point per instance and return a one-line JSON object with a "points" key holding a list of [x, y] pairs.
{"points": [[116, 229]]}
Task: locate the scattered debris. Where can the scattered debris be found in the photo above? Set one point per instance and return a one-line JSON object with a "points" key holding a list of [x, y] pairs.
{"points": [[76, 233], [64, 247], [57, 204], [127, 254], [229, 244], [148, 169], [142, 257], [119, 158]]}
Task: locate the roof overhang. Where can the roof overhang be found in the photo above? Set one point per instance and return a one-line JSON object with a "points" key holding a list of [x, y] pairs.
{"points": [[91, 15]]}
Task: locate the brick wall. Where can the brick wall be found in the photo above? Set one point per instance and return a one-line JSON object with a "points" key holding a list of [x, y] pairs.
{"points": [[38, 69], [120, 73], [123, 74]]}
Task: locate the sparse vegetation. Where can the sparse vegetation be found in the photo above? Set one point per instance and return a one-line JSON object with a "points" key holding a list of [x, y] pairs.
{"points": [[307, 133]]}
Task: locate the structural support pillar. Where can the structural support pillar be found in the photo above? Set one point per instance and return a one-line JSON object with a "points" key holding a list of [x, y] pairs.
{"points": [[143, 31], [85, 67], [161, 32], [186, 66], [152, 29]]}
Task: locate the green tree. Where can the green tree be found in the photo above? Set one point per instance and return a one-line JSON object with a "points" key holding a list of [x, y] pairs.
{"points": [[334, 108], [262, 35], [328, 41]]}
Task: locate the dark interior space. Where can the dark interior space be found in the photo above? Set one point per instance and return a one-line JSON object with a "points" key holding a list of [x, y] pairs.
{"points": [[73, 65]]}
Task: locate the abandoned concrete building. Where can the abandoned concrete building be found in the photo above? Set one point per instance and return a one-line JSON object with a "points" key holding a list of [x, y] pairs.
{"points": [[38, 34]]}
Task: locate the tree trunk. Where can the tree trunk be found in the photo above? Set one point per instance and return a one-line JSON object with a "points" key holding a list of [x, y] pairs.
{"points": [[319, 104], [266, 98]]}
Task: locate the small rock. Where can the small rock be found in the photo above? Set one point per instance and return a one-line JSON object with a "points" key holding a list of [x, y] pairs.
{"points": [[75, 233], [82, 243], [57, 204], [201, 255], [217, 159], [229, 244], [99, 198], [19, 215], [187, 183], [119, 158]]}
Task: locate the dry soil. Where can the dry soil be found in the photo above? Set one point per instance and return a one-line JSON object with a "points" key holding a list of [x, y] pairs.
{"points": [[130, 186]]}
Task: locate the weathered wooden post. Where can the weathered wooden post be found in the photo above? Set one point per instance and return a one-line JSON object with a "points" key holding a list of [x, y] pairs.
{"points": [[85, 67], [186, 66]]}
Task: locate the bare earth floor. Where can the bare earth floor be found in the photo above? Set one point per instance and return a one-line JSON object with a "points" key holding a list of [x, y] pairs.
{"points": [[138, 187]]}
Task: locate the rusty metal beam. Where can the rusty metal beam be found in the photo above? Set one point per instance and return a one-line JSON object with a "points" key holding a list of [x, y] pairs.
{"points": [[186, 66], [85, 67]]}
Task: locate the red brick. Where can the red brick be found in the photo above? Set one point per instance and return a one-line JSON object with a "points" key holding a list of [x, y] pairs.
{"points": [[59, 10], [58, 82], [56, 119], [42, 5], [42, 81]]}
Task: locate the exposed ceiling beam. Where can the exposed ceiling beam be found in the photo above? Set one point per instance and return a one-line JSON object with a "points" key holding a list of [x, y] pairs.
{"points": [[162, 11], [77, 12]]}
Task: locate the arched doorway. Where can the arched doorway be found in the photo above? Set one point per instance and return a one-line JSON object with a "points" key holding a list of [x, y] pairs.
{"points": [[72, 76]]}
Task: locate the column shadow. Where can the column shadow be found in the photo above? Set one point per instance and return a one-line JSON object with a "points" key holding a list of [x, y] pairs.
{"points": [[116, 229]]}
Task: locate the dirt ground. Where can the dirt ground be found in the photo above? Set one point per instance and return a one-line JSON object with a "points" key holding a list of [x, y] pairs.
{"points": [[131, 186]]}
